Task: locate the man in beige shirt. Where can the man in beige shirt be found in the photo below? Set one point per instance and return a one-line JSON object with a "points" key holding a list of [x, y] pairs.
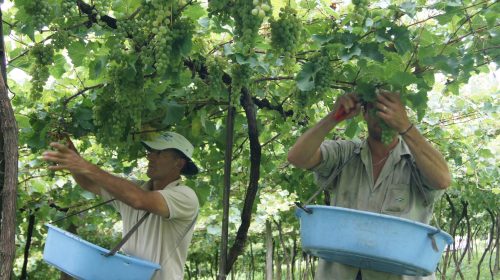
{"points": [[379, 178], [165, 235]]}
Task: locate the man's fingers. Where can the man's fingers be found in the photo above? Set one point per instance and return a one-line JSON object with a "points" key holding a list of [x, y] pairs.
{"points": [[60, 147], [56, 167], [391, 96], [349, 101]]}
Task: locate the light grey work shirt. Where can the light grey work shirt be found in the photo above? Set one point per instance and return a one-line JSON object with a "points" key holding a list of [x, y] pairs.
{"points": [[158, 239], [394, 193]]}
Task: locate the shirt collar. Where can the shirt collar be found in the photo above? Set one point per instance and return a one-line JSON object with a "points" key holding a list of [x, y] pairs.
{"points": [[398, 152], [149, 184]]}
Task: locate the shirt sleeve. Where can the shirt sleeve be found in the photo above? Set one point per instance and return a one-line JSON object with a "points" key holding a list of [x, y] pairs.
{"points": [[333, 154], [430, 191], [182, 202], [105, 195]]}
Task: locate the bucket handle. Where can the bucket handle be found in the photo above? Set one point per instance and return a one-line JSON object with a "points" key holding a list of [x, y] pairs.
{"points": [[303, 207], [356, 152], [433, 239]]}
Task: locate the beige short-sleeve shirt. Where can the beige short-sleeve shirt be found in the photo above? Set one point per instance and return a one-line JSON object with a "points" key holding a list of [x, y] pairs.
{"points": [[158, 239], [394, 193]]}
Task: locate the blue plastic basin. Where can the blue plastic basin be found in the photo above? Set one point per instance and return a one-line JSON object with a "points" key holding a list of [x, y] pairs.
{"points": [[371, 241], [84, 260]]}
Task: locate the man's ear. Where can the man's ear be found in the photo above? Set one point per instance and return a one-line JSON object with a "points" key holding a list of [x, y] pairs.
{"points": [[181, 162]]}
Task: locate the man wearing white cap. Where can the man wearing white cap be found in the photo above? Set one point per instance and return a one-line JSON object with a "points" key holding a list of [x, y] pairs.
{"points": [[164, 236]]}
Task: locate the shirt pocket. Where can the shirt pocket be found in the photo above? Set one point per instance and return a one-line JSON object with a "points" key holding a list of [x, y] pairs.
{"points": [[397, 200]]}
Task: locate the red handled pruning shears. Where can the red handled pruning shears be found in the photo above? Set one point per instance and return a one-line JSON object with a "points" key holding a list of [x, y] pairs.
{"points": [[340, 114]]}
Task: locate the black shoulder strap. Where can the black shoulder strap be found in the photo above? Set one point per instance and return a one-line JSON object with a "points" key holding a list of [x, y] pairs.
{"points": [[416, 178], [332, 177], [127, 236]]}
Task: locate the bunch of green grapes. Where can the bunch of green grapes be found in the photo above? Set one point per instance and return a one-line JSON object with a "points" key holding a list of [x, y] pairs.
{"points": [[220, 9], [286, 34], [60, 39], [40, 12], [216, 71], [67, 7], [120, 104], [388, 133], [43, 55], [182, 31], [240, 74], [323, 78], [246, 23], [247, 15], [360, 10], [101, 7], [261, 8], [158, 32]]}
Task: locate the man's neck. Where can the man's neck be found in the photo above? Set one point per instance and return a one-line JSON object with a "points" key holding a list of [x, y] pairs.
{"points": [[161, 184], [379, 149]]}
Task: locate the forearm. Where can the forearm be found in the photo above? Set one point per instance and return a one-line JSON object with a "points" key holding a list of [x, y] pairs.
{"points": [[429, 161], [305, 152], [86, 183], [119, 188]]}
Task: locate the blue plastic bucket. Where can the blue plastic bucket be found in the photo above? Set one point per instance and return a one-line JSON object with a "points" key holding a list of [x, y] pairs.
{"points": [[371, 241], [84, 260]]}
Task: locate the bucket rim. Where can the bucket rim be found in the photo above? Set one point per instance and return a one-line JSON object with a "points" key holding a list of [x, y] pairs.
{"points": [[103, 250], [446, 236]]}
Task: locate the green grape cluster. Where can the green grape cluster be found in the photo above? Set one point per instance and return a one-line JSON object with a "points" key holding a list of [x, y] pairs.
{"points": [[241, 74], [323, 78], [101, 7], [158, 33], [120, 104], [43, 56], [67, 7], [163, 47], [60, 39], [360, 10], [40, 12], [286, 34], [219, 8], [248, 16], [388, 133], [182, 31], [260, 9], [246, 23], [216, 71]]}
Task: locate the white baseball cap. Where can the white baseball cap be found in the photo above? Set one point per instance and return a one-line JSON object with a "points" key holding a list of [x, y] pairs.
{"points": [[172, 140]]}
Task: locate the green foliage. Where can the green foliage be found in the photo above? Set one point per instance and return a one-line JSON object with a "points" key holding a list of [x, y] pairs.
{"points": [[108, 73]]}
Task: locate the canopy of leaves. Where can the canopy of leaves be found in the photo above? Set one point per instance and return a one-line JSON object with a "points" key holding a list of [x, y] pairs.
{"points": [[110, 73]]}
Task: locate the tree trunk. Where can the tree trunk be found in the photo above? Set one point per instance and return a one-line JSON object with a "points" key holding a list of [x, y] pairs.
{"points": [[286, 256], [8, 180], [227, 190], [253, 184], [488, 247], [497, 259], [269, 251], [31, 227]]}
